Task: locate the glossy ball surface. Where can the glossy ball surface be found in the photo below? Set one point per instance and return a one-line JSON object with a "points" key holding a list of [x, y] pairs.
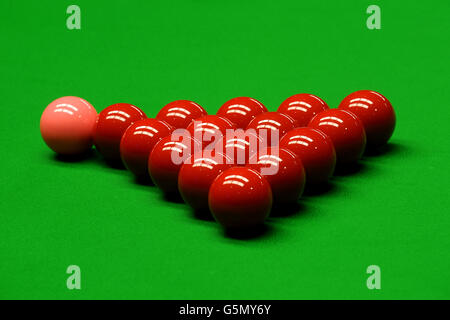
{"points": [[138, 141], [241, 110], [240, 198], [111, 125], [316, 151], [209, 129], [345, 130], [166, 159], [180, 113], [268, 123], [302, 108], [240, 146], [375, 112], [196, 176], [67, 125], [284, 172]]}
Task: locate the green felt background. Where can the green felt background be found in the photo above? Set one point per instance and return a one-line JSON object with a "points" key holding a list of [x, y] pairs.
{"points": [[131, 243]]}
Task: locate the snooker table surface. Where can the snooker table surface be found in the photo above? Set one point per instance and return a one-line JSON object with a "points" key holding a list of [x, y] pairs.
{"points": [[131, 243]]}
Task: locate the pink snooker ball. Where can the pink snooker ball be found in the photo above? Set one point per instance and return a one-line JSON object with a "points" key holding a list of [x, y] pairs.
{"points": [[67, 125]]}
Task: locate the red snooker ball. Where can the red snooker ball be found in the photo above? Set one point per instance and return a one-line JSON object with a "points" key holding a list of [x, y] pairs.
{"points": [[209, 129], [196, 176], [375, 112], [345, 130], [111, 125], [241, 110], [180, 113], [241, 145], [284, 172], [302, 108], [166, 159], [138, 141], [316, 151], [240, 198], [67, 125], [269, 123]]}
